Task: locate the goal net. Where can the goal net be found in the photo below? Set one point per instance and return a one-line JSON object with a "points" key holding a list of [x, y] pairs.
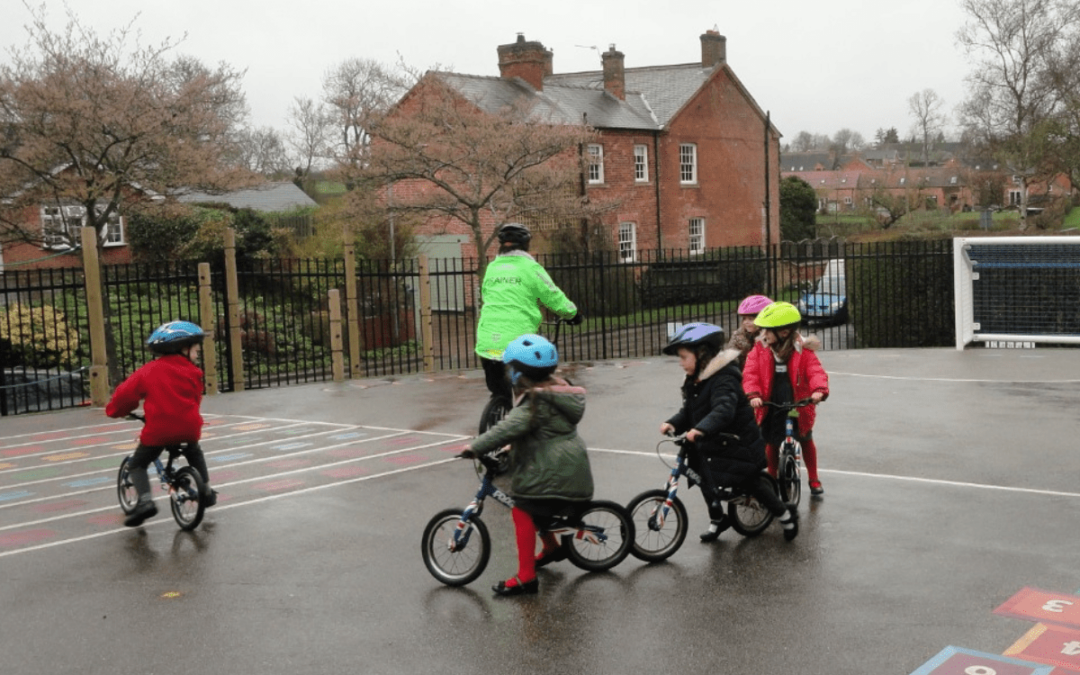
{"points": [[1017, 290]]}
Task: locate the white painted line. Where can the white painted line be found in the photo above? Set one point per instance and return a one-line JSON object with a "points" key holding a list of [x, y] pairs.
{"points": [[949, 379]]}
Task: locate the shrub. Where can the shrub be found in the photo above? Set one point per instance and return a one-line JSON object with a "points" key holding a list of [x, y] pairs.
{"points": [[36, 337]]}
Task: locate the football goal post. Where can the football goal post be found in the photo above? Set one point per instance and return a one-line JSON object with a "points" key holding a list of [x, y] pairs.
{"points": [[1017, 290]]}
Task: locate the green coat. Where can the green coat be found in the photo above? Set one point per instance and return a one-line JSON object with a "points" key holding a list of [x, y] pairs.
{"points": [[547, 457], [513, 284]]}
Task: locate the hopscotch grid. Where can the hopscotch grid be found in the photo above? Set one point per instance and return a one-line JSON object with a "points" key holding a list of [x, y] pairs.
{"points": [[253, 480], [113, 470], [135, 439], [102, 425], [225, 507], [208, 454]]}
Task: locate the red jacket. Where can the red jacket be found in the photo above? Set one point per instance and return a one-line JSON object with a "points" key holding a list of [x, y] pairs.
{"points": [[805, 371], [172, 386]]}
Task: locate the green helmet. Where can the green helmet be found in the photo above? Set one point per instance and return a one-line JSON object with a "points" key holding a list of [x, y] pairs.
{"points": [[778, 315]]}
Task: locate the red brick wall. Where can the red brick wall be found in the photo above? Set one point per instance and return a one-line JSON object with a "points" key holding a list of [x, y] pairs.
{"points": [[636, 202], [730, 194]]}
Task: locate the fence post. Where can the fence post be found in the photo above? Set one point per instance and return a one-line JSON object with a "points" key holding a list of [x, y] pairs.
{"points": [[99, 372], [232, 289], [337, 359], [425, 315], [352, 310], [206, 318]]}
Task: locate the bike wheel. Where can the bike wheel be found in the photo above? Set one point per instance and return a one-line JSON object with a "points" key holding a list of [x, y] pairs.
{"points": [[497, 408], [787, 476], [186, 498], [461, 566], [652, 543], [125, 489], [748, 516], [604, 538]]}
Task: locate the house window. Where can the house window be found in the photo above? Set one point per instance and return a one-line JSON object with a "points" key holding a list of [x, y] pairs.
{"points": [[688, 164], [697, 235], [627, 242], [641, 163], [60, 225], [596, 163], [1014, 198]]}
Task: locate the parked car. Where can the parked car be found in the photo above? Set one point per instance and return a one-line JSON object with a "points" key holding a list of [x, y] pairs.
{"points": [[827, 302]]}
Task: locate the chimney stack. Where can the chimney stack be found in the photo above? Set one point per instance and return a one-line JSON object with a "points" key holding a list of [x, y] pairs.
{"points": [[614, 73], [713, 49], [527, 60]]}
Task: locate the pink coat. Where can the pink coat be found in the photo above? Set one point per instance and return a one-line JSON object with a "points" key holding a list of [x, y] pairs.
{"points": [[805, 371]]}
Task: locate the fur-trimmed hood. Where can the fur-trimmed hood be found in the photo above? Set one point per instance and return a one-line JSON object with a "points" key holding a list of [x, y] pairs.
{"points": [[718, 362]]}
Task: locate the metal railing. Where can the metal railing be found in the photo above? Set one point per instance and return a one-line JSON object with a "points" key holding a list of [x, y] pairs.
{"points": [[897, 295]]}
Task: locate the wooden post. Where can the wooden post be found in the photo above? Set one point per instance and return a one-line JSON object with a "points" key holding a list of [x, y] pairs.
{"points": [[207, 319], [425, 315], [352, 310], [337, 359], [99, 370], [232, 288]]}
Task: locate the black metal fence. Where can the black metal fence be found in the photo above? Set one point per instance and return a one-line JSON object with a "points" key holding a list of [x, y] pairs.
{"points": [[895, 295]]}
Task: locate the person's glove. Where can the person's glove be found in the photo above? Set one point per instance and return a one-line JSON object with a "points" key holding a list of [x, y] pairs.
{"points": [[576, 319], [467, 453]]}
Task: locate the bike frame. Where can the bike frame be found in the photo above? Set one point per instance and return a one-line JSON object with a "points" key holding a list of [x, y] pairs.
{"points": [[791, 444], [682, 468], [488, 489]]}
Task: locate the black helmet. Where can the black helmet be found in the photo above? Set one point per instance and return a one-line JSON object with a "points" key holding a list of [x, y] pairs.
{"points": [[694, 334], [515, 233]]}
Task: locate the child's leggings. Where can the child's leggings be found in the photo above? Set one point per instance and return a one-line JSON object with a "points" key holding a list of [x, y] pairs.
{"points": [[525, 534], [809, 455]]}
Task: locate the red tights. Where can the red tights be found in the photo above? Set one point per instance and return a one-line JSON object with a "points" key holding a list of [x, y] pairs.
{"points": [[809, 455], [525, 533]]}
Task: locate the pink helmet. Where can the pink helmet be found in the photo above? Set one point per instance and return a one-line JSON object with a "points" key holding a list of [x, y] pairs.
{"points": [[753, 304]]}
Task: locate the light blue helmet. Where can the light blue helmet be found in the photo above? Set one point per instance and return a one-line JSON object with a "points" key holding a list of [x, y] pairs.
{"points": [[531, 355], [693, 334], [172, 337]]}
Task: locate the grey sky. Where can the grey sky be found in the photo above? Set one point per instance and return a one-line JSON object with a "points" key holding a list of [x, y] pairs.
{"points": [[816, 66]]}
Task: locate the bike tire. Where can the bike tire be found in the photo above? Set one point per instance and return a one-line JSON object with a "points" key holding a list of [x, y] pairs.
{"points": [[651, 544], [610, 542], [185, 498], [460, 567], [748, 516], [125, 489], [496, 409], [789, 480]]}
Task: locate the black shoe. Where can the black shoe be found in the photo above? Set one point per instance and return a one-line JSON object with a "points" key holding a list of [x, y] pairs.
{"points": [[142, 511], [816, 489], [716, 527], [791, 527], [210, 498], [548, 558], [529, 587]]}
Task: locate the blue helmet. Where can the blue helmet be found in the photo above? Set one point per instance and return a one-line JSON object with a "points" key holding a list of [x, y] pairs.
{"points": [[531, 355], [172, 337], [694, 334]]}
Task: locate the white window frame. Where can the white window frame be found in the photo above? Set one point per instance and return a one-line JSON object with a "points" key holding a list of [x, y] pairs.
{"points": [[71, 218], [688, 169], [596, 163], [697, 236], [1014, 197], [641, 164], [627, 242]]}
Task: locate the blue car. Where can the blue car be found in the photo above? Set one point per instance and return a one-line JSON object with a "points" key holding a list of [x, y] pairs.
{"points": [[827, 302]]}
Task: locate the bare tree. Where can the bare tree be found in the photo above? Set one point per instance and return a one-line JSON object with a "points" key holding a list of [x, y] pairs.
{"points": [[354, 93], [1015, 45], [262, 151], [444, 157], [925, 107], [308, 136], [92, 125]]}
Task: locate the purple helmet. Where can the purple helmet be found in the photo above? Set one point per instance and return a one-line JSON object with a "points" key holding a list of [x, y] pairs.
{"points": [[753, 304]]}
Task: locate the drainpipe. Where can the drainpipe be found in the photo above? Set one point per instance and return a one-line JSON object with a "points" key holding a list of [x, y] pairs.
{"points": [[768, 209], [656, 186]]}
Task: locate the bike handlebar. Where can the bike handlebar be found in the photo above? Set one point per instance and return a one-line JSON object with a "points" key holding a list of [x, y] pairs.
{"points": [[790, 406]]}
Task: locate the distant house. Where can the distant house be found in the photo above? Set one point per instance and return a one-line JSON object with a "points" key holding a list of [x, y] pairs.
{"points": [[682, 148], [54, 252]]}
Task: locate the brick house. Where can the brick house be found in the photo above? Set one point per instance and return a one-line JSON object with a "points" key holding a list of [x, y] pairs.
{"points": [[682, 149]]}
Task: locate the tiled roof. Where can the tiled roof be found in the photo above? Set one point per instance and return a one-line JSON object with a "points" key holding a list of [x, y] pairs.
{"points": [[267, 198], [557, 102], [665, 88]]}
